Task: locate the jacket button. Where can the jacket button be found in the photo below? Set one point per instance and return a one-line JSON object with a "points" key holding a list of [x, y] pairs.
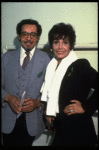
{"points": [[17, 94]]}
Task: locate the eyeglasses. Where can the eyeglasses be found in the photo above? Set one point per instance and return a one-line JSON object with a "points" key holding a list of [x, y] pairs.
{"points": [[33, 35]]}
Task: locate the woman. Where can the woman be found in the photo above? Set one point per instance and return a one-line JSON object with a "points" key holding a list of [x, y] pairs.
{"points": [[67, 84]]}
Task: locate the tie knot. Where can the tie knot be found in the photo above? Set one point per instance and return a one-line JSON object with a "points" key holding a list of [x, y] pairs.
{"points": [[27, 53]]}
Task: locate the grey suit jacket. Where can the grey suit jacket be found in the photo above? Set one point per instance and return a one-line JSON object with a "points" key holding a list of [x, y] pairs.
{"points": [[34, 119]]}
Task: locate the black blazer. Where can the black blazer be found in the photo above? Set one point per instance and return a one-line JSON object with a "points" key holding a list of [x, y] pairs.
{"points": [[76, 84]]}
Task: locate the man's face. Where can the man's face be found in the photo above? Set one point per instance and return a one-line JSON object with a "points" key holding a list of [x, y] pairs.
{"points": [[28, 36]]}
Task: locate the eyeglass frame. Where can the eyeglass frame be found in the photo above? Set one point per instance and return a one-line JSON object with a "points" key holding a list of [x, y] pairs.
{"points": [[27, 34]]}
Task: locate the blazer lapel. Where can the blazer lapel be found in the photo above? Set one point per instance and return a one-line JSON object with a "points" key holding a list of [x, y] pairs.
{"points": [[15, 59], [70, 71]]}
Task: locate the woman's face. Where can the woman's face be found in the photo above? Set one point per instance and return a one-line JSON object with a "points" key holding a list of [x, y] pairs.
{"points": [[61, 48]]}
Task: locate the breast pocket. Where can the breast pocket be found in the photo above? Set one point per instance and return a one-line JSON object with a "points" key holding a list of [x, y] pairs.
{"points": [[40, 79], [40, 74]]}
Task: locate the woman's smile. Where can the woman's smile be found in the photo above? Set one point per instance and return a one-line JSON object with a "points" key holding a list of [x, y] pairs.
{"points": [[61, 48]]}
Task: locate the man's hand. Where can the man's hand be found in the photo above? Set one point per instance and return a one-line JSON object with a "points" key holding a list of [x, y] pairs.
{"points": [[30, 104], [75, 107], [13, 102]]}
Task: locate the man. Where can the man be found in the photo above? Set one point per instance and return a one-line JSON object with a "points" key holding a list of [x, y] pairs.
{"points": [[23, 73]]}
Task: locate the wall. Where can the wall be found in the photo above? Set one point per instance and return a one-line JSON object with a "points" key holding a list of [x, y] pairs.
{"points": [[83, 17]]}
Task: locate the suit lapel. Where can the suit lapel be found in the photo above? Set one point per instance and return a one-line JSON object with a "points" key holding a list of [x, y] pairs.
{"points": [[15, 63], [37, 62]]}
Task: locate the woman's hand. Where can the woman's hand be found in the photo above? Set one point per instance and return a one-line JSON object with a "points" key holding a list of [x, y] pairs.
{"points": [[74, 108]]}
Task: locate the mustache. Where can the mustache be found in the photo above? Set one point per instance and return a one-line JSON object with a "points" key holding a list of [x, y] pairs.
{"points": [[28, 41]]}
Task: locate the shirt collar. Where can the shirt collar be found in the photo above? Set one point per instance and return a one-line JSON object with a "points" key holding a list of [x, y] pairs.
{"points": [[22, 53]]}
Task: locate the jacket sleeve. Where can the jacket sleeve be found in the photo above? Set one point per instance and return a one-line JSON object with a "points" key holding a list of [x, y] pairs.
{"points": [[5, 59], [91, 78]]}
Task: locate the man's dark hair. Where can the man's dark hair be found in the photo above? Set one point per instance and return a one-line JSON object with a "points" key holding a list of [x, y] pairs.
{"points": [[30, 22], [62, 31]]}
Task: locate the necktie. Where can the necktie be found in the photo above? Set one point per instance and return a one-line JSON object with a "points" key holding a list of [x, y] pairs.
{"points": [[26, 60]]}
